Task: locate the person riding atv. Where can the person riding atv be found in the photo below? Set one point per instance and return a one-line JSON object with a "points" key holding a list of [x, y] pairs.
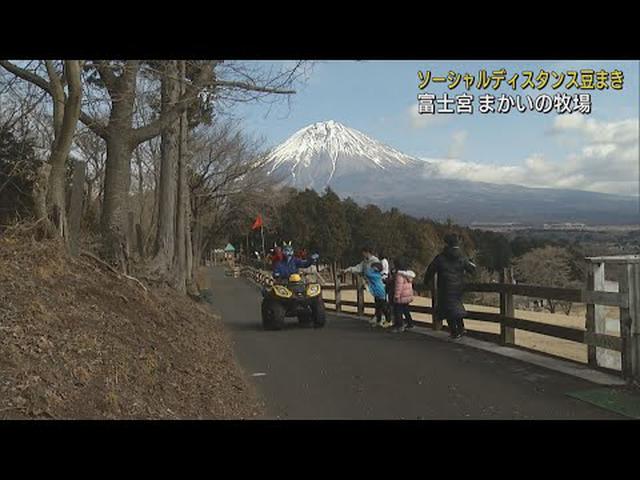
{"points": [[291, 295], [289, 264]]}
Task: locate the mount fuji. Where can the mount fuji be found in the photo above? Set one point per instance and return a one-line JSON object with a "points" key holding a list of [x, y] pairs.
{"points": [[329, 154], [319, 155]]}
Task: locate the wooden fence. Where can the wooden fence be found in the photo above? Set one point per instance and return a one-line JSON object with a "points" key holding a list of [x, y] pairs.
{"points": [[627, 300]]}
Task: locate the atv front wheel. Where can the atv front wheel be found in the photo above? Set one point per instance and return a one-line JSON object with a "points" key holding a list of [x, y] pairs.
{"points": [[305, 319], [272, 315], [318, 314]]}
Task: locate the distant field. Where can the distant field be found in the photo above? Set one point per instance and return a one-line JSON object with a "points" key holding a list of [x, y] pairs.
{"points": [[555, 346]]}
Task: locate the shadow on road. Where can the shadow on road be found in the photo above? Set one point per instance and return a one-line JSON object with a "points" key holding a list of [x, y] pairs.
{"points": [[257, 327]]}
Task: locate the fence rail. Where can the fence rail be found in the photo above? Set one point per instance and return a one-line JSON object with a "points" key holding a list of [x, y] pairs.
{"points": [[593, 295], [613, 299]]}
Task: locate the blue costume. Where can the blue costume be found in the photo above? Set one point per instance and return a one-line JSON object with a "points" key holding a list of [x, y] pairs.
{"points": [[290, 265]]}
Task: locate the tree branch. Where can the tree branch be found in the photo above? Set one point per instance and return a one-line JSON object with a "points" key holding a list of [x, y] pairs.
{"points": [[107, 75], [58, 96], [155, 128], [27, 75], [94, 125], [97, 127], [252, 87]]}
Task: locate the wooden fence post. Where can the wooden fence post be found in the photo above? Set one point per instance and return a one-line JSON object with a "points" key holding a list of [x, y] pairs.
{"points": [[507, 309], [75, 208], [437, 321], [336, 284], [360, 295], [634, 314], [596, 314], [629, 284]]}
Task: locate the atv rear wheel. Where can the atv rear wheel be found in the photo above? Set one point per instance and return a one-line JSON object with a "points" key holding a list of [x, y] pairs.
{"points": [[273, 315], [318, 313]]}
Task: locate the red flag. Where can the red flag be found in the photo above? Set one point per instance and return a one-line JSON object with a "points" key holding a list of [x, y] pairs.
{"points": [[258, 223]]}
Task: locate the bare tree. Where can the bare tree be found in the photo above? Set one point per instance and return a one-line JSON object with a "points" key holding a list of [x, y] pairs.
{"points": [[175, 251], [548, 266], [164, 250], [66, 112], [183, 237], [128, 104], [224, 167], [204, 82], [229, 186]]}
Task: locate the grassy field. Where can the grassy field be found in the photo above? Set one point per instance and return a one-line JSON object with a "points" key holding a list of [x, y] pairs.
{"points": [[555, 346]]}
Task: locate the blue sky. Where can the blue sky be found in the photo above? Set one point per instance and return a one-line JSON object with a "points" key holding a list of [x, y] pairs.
{"points": [[379, 99]]}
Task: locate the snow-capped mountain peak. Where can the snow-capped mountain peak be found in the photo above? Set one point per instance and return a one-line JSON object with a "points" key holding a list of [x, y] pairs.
{"points": [[357, 166], [313, 156]]}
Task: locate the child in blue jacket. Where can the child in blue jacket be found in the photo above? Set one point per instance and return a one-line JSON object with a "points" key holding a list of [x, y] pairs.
{"points": [[373, 274]]}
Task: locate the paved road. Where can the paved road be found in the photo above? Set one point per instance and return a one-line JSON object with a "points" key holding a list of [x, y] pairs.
{"points": [[350, 371]]}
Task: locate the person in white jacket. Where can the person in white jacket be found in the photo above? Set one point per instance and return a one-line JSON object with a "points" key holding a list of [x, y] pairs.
{"points": [[385, 266], [368, 259]]}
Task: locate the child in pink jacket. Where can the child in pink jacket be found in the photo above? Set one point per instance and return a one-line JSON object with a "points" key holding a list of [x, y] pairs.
{"points": [[402, 296]]}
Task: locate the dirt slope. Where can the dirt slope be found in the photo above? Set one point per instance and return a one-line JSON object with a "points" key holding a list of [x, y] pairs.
{"points": [[78, 342]]}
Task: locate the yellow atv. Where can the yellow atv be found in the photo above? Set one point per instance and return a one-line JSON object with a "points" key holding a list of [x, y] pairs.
{"points": [[293, 297]]}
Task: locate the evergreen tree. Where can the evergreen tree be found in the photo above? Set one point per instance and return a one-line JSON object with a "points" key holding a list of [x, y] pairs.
{"points": [[333, 234], [18, 166], [300, 219]]}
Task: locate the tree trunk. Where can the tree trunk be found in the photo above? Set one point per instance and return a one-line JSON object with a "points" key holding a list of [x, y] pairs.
{"points": [[55, 199], [66, 115], [165, 245], [88, 205], [39, 194], [192, 286], [180, 259], [140, 187], [197, 243], [114, 206], [117, 177]]}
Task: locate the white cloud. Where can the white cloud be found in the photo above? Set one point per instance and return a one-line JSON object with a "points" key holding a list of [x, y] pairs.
{"points": [[451, 168], [458, 141], [622, 132], [607, 160], [537, 165]]}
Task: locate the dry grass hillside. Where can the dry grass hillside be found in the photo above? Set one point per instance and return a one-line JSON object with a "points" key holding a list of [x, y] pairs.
{"points": [[77, 341]]}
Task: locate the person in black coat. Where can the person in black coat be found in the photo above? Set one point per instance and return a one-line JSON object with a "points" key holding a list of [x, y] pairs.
{"points": [[450, 265]]}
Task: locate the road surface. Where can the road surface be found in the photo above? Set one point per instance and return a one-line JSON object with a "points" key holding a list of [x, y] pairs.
{"points": [[349, 370]]}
